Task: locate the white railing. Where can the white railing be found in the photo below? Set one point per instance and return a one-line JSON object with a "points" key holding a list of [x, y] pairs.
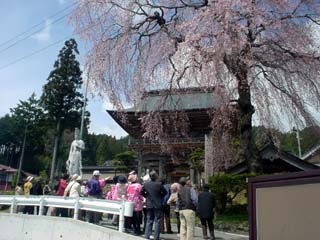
{"points": [[121, 208]]}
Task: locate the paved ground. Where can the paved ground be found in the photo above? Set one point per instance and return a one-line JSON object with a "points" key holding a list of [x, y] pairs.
{"points": [[219, 235]]}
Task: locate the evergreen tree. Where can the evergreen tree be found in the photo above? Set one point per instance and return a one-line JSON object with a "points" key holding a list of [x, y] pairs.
{"points": [[124, 161], [29, 128], [8, 142], [61, 97]]}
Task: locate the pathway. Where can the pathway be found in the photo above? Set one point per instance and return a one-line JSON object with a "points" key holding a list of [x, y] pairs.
{"points": [[219, 235]]}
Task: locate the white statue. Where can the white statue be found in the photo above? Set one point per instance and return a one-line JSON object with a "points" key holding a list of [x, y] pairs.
{"points": [[74, 162]]}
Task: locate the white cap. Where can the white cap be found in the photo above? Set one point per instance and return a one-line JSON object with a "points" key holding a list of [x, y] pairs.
{"points": [[96, 173], [28, 178]]}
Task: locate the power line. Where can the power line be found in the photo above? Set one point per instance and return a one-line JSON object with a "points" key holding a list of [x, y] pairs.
{"points": [[31, 54], [33, 33], [37, 25]]}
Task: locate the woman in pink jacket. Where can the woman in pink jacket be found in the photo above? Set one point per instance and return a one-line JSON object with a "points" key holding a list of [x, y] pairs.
{"points": [[133, 195]]}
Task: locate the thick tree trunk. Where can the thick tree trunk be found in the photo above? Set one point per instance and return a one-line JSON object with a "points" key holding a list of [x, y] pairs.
{"points": [[55, 149], [246, 110], [247, 146]]}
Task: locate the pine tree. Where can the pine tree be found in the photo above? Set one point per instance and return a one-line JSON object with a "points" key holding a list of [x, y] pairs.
{"points": [[61, 97]]}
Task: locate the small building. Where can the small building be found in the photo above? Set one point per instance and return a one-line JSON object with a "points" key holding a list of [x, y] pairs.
{"points": [[273, 160], [7, 175]]}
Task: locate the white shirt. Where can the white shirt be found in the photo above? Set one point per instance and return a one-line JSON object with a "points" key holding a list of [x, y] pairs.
{"points": [[73, 188]]}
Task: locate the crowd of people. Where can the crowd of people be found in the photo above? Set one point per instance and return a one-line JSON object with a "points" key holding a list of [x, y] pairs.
{"points": [[153, 200]]}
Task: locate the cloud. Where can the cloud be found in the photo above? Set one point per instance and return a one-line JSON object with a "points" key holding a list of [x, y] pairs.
{"points": [[62, 1], [107, 105], [44, 35]]}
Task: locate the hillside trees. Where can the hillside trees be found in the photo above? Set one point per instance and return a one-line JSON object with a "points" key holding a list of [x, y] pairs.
{"points": [[262, 57]]}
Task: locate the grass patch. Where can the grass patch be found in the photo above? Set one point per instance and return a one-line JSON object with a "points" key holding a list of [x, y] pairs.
{"points": [[232, 222], [231, 218]]}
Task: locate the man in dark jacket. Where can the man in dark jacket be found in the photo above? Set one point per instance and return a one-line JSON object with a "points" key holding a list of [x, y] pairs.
{"points": [[206, 204], [153, 192]]}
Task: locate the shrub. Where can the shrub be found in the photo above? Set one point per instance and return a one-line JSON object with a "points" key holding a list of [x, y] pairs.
{"points": [[227, 187]]}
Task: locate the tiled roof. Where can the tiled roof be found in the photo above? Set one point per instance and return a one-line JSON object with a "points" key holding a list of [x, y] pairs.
{"points": [[4, 168], [184, 99]]}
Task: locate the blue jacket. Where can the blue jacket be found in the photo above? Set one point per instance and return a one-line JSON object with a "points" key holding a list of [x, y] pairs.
{"points": [[94, 188]]}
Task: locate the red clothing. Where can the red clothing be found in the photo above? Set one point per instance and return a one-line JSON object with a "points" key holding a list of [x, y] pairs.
{"points": [[62, 186]]}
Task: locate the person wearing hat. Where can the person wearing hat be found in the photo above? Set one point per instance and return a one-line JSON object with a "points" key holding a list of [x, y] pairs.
{"points": [[206, 205], [133, 195], [73, 190], [94, 191], [27, 189], [173, 199], [187, 203], [27, 186], [73, 187]]}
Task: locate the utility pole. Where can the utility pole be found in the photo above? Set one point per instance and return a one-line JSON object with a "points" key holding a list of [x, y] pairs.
{"points": [[84, 104], [22, 153], [82, 116], [296, 130]]}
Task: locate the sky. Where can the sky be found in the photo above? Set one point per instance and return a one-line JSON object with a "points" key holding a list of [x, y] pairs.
{"points": [[26, 58]]}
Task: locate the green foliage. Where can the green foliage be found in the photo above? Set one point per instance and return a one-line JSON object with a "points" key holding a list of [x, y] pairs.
{"points": [[232, 218], [227, 187], [8, 141], [26, 118], [196, 158], [43, 175], [124, 161], [61, 97], [309, 137], [102, 148], [14, 179]]}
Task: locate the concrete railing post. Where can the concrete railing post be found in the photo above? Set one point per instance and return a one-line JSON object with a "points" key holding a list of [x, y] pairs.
{"points": [[76, 208], [121, 217], [41, 206], [13, 204]]}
